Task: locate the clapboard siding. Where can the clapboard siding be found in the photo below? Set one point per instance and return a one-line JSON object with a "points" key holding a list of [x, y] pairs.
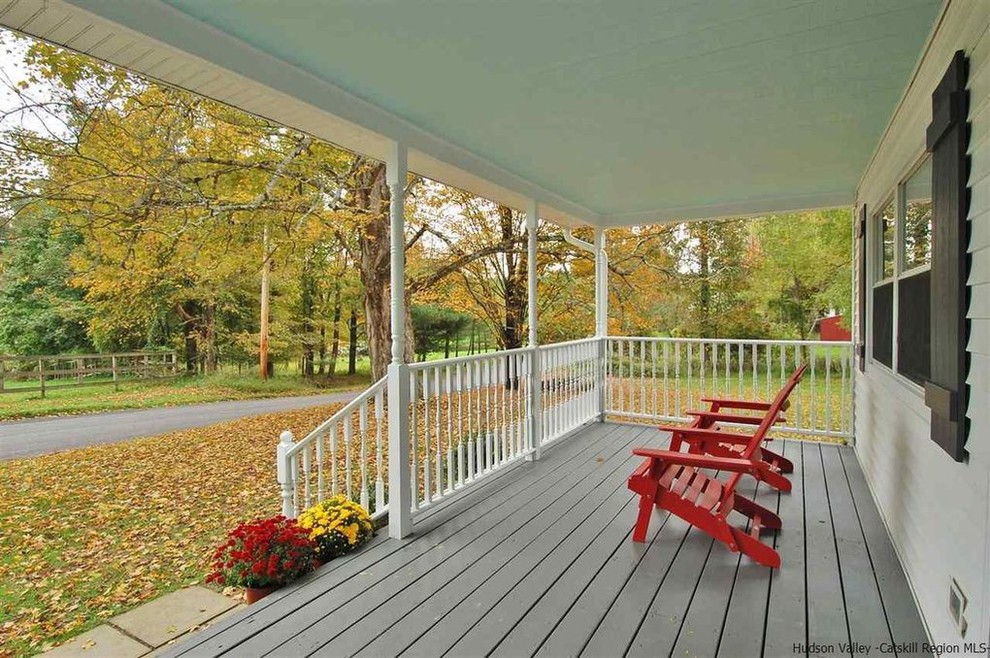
{"points": [[936, 510]]}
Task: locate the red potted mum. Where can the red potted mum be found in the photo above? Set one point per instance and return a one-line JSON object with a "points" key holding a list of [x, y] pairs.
{"points": [[262, 555]]}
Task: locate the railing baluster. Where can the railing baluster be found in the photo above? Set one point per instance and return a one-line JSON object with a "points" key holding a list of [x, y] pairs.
{"points": [[690, 383], [846, 421], [319, 472], [469, 447], [828, 389], [427, 494], [334, 456], [769, 356], [438, 454], [755, 355], [486, 382], [414, 438], [348, 435], [653, 379], [515, 407], [813, 357], [479, 442], [379, 464], [740, 393], [306, 477], [642, 377], [460, 423], [608, 375], [364, 455], [450, 429], [797, 405]]}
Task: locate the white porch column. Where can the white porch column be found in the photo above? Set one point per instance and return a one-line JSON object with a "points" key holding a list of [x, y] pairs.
{"points": [[601, 285], [601, 315], [399, 492], [536, 379]]}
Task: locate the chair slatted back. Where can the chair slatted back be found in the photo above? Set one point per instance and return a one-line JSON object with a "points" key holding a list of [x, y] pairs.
{"points": [[776, 408]]}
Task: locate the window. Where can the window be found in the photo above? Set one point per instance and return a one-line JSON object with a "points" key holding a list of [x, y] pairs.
{"points": [[901, 322], [883, 288], [914, 276], [917, 249], [886, 220]]}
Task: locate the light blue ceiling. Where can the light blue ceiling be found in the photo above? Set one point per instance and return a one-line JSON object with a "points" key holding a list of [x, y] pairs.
{"points": [[622, 106]]}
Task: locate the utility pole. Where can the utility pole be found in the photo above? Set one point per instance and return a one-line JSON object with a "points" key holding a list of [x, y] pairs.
{"points": [[263, 338]]}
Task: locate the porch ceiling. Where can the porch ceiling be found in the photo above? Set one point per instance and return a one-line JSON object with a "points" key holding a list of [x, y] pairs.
{"points": [[608, 112]]}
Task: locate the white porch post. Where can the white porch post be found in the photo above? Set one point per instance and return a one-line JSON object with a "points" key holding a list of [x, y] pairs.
{"points": [[535, 379], [399, 492], [601, 315]]}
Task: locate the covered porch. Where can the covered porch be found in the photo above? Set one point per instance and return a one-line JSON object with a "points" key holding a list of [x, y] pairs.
{"points": [[502, 476], [537, 560]]}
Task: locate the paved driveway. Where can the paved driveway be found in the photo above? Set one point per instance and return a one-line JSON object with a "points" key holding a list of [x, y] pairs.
{"points": [[38, 436]]}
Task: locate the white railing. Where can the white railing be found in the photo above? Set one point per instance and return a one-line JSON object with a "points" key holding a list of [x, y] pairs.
{"points": [[346, 454], [470, 417], [660, 379], [571, 381]]}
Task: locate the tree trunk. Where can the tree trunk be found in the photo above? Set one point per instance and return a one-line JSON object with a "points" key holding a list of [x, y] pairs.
{"points": [[263, 366], [515, 283], [371, 196], [335, 340], [307, 293], [705, 293], [209, 332], [352, 327], [323, 350]]}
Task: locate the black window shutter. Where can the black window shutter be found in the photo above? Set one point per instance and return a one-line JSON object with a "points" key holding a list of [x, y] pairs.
{"points": [[861, 241], [948, 138]]}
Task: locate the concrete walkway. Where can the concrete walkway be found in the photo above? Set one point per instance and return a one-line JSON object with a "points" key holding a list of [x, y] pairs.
{"points": [[150, 628], [39, 436]]}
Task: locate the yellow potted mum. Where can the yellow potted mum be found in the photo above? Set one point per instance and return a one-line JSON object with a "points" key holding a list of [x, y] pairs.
{"points": [[337, 525]]}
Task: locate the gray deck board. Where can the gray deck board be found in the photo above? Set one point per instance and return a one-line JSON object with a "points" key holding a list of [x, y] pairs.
{"points": [[827, 621], [864, 606], [539, 560], [902, 615], [787, 613], [745, 617]]}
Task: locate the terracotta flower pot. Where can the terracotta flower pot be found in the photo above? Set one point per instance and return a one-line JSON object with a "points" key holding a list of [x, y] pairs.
{"points": [[255, 594]]}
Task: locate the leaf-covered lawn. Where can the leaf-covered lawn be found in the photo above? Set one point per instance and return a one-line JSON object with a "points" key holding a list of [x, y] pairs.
{"points": [[88, 534]]}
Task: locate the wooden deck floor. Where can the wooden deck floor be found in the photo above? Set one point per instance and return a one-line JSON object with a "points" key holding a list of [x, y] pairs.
{"points": [[539, 561]]}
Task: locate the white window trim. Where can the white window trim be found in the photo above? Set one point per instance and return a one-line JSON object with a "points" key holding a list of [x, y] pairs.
{"points": [[874, 245]]}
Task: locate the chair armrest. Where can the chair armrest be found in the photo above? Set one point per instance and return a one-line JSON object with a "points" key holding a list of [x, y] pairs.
{"points": [[753, 405], [695, 433], [697, 461], [719, 417]]}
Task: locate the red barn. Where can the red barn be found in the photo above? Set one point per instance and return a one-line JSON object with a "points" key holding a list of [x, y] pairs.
{"points": [[832, 328]]}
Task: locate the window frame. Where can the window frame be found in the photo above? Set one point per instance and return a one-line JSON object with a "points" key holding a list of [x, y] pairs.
{"points": [[900, 244], [892, 199], [898, 198]]}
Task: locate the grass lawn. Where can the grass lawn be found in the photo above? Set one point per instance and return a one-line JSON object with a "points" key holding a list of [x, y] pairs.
{"points": [[90, 533], [167, 393]]}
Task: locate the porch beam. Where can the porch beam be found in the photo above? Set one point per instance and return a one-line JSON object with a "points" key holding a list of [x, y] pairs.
{"points": [[536, 377], [399, 477]]}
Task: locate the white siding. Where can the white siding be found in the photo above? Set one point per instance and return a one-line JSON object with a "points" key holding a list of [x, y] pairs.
{"points": [[937, 511]]}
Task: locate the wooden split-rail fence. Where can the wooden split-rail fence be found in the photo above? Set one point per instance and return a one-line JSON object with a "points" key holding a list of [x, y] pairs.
{"points": [[24, 374]]}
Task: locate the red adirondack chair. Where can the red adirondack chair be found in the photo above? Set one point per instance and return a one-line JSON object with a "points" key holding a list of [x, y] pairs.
{"points": [[701, 437], [674, 481]]}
